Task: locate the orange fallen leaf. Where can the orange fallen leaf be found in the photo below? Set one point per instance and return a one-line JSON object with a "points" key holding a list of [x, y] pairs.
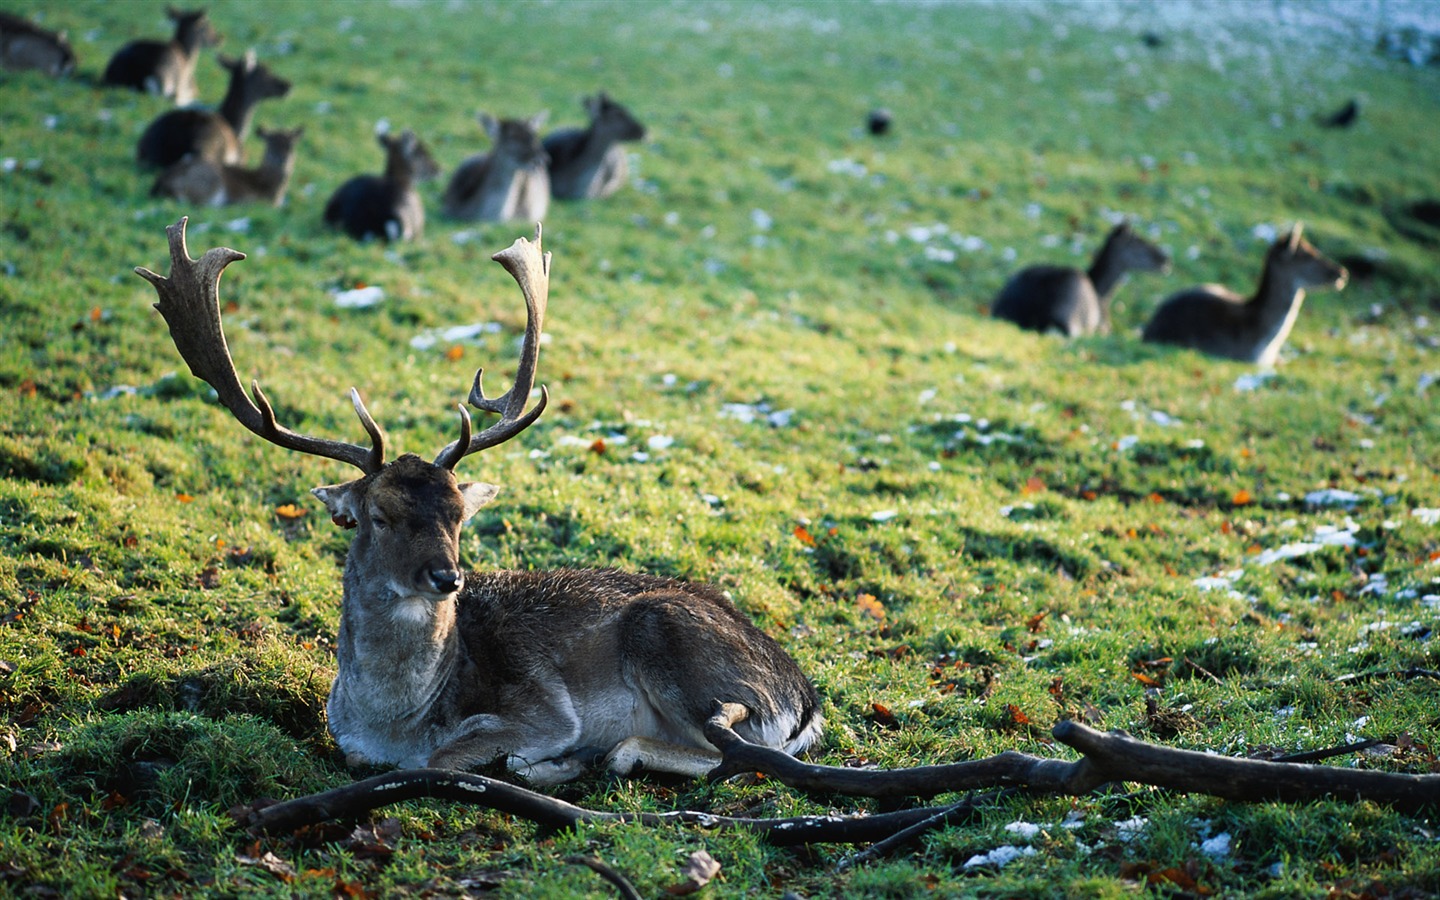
{"points": [[184, 498], [1145, 679], [289, 511], [870, 607], [1242, 497], [883, 716], [1155, 497], [454, 353], [804, 536], [1036, 623], [96, 314], [599, 446], [1017, 715], [1033, 485]]}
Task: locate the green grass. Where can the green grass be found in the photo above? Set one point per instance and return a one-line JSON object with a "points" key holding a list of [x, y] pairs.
{"points": [[167, 636]]}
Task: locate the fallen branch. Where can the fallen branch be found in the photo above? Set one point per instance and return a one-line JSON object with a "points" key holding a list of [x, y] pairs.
{"points": [[609, 873], [360, 797], [1105, 757]]}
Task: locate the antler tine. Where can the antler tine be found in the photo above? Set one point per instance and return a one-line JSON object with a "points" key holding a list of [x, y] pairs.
{"points": [[190, 303], [531, 270]]}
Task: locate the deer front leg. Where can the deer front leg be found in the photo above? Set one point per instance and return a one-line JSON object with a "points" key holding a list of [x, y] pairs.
{"points": [[541, 747]]}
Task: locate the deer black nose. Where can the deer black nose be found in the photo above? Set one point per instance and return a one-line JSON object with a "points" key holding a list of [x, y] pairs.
{"points": [[446, 581]]}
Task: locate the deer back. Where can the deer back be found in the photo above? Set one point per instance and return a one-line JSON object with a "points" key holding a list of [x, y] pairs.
{"points": [[509, 183], [589, 163], [25, 45]]}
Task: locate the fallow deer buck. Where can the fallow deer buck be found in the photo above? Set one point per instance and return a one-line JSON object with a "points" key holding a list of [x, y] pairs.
{"points": [[507, 184], [1215, 320], [547, 670], [207, 182], [386, 206], [207, 134], [1076, 301], [25, 45], [164, 68], [589, 163]]}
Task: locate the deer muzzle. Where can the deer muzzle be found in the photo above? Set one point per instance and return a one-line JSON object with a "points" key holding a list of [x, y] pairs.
{"points": [[443, 579]]}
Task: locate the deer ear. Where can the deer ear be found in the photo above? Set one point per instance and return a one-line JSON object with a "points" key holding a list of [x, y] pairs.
{"points": [[538, 120], [1295, 235], [594, 104], [476, 495], [343, 502]]}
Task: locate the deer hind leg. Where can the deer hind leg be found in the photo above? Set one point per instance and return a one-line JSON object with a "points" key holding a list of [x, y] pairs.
{"points": [[642, 754]]}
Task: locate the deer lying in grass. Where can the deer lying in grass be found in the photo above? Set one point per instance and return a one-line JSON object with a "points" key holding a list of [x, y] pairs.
{"points": [[510, 182], [203, 181], [25, 45], [216, 136], [1220, 322], [164, 68], [590, 163], [450, 669], [1076, 301], [386, 206]]}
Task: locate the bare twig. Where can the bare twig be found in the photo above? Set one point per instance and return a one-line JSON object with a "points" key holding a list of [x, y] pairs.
{"points": [[1355, 677], [609, 873], [1311, 756], [950, 815], [1201, 669]]}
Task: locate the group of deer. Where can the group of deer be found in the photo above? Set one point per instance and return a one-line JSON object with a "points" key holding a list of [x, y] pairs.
{"points": [[514, 181], [1210, 318], [201, 152]]}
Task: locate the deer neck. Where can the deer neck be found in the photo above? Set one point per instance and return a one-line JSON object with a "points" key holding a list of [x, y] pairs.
{"points": [[1107, 271], [595, 144], [400, 173], [1273, 309], [238, 107], [393, 652], [502, 186], [187, 44]]}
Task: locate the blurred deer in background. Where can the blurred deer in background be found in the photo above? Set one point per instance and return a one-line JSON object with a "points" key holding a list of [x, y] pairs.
{"points": [[203, 181], [25, 45], [547, 670], [1215, 320], [1076, 301], [510, 182], [386, 206], [165, 68], [216, 136], [589, 163]]}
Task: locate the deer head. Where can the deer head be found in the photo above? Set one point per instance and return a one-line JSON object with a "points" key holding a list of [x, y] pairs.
{"points": [[407, 513]]}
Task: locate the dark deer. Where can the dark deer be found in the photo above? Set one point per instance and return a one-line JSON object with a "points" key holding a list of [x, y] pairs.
{"points": [[386, 206], [164, 68], [1076, 301], [216, 136], [25, 45], [1215, 320], [203, 181], [510, 182], [546, 670], [589, 163]]}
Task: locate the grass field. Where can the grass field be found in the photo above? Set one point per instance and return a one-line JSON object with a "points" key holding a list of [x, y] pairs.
{"points": [[770, 368]]}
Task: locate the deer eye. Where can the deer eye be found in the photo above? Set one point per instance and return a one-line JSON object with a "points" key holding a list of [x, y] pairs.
{"points": [[380, 522]]}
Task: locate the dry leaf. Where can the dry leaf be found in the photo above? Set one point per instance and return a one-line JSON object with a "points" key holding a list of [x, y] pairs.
{"points": [[289, 511], [184, 498], [454, 353], [270, 863], [804, 536], [1242, 497], [1017, 715], [699, 869], [1145, 679], [870, 607], [1033, 485]]}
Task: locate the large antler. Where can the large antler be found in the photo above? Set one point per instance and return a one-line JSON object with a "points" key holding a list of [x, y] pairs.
{"points": [[531, 270], [190, 303]]}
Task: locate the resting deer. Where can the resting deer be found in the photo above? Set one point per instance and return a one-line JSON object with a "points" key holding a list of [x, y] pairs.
{"points": [[203, 181], [1073, 301], [25, 45], [216, 136], [164, 68], [589, 163], [386, 206], [546, 670], [1220, 322], [508, 183]]}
